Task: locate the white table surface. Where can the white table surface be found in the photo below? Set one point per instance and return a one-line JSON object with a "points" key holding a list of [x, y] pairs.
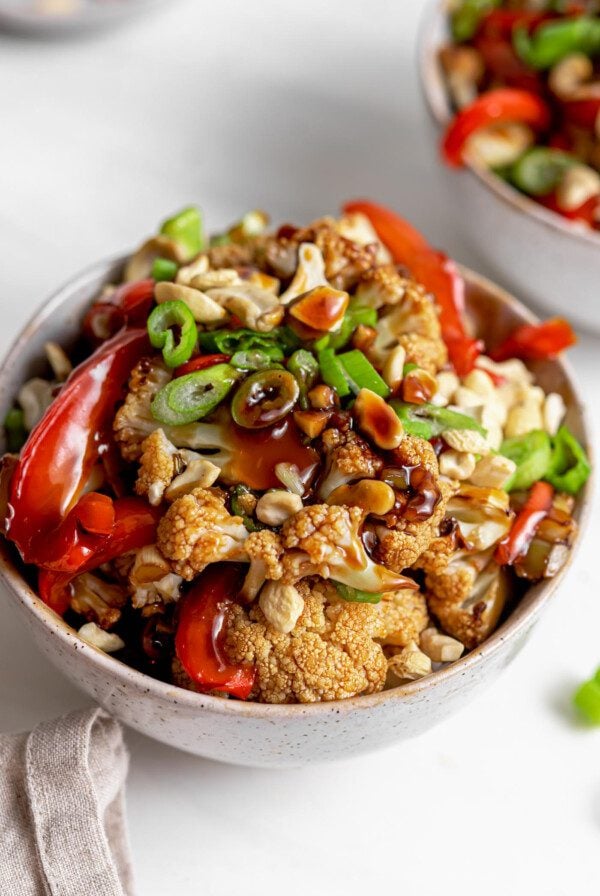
{"points": [[291, 107]]}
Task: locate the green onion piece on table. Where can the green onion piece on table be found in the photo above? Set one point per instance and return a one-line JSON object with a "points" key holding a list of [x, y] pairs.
{"points": [[163, 269], [539, 170], [172, 328], [332, 372], [354, 594], [428, 420], [554, 40], [532, 454], [14, 427], [569, 467], [587, 699], [193, 396], [185, 228], [361, 374]]}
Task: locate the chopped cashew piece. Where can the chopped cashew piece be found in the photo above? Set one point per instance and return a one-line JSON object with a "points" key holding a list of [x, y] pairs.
{"points": [[58, 360], [186, 274], [276, 506], [357, 227], [457, 464], [480, 382], [498, 144], [523, 418], [257, 308], [148, 566], [410, 664], [466, 440], [97, 637], [447, 384], [139, 265], [310, 272], [199, 472], [493, 471], [553, 412], [567, 79], [371, 495], [282, 605], [393, 367], [204, 309], [440, 648], [378, 420], [577, 185], [35, 397]]}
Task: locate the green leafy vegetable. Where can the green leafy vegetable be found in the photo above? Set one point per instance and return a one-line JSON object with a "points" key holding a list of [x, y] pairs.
{"points": [[532, 454], [569, 468], [277, 343]]}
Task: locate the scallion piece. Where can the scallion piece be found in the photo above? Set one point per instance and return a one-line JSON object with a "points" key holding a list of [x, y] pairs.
{"points": [[532, 454], [305, 368], [538, 171], [569, 467], [193, 396], [361, 374], [332, 372], [185, 228], [428, 420], [354, 594], [253, 360], [587, 699], [277, 343], [172, 328], [163, 269]]}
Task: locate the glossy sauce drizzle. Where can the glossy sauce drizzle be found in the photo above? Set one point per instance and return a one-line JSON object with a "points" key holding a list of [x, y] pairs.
{"points": [[256, 453]]}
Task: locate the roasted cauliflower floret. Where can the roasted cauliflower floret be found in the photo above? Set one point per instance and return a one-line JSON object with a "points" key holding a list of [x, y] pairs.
{"points": [[401, 617], [197, 529], [264, 550], [381, 286], [348, 458], [329, 655], [169, 472], [99, 601], [469, 613], [413, 323], [325, 540], [403, 535]]}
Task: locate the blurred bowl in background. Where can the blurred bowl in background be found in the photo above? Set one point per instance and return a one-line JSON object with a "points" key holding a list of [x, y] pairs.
{"points": [[48, 18], [534, 251]]}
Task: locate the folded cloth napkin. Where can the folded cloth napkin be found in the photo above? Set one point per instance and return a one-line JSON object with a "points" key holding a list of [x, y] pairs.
{"points": [[62, 820]]}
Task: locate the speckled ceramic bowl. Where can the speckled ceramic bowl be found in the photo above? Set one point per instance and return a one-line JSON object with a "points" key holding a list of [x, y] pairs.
{"points": [[534, 251], [251, 733]]}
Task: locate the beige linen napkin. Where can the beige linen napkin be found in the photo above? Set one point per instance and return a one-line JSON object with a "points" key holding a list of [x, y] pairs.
{"points": [[62, 821]]}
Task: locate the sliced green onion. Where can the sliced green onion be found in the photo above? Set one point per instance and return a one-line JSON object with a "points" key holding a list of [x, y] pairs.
{"points": [[219, 239], [354, 317], [237, 508], [428, 420], [408, 367], [553, 41], [538, 171], [354, 594], [362, 375], [532, 454], [194, 396], [332, 372], [253, 360], [587, 699], [569, 467], [277, 343], [185, 228], [172, 328], [14, 426], [163, 269], [466, 17], [305, 368], [264, 398]]}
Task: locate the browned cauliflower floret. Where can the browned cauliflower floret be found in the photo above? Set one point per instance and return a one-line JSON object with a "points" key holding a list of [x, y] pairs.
{"points": [[414, 324], [264, 550], [348, 458], [345, 260], [404, 536], [197, 530], [329, 655], [97, 600], [134, 420], [401, 617], [469, 607], [381, 286], [170, 472], [325, 540]]}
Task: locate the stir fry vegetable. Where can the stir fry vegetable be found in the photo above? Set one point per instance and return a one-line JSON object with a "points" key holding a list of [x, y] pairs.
{"points": [[525, 88], [289, 471]]}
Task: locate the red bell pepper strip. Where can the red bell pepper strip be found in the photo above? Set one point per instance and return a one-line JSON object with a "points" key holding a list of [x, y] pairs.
{"points": [[200, 362], [59, 454], [517, 542], [492, 107], [587, 211], [133, 526], [503, 64], [434, 270], [199, 636], [582, 113], [129, 305], [499, 23], [536, 342]]}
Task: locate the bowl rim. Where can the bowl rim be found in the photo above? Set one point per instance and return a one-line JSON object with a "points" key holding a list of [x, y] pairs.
{"points": [[436, 99], [520, 619]]}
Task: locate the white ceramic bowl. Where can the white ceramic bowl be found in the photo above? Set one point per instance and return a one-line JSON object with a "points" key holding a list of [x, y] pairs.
{"points": [[534, 251], [251, 733]]}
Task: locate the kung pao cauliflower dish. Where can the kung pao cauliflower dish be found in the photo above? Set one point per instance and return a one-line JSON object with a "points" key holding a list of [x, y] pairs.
{"points": [[283, 469]]}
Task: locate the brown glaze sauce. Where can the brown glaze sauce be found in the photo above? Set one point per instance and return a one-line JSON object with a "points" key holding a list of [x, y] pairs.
{"points": [[256, 453]]}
